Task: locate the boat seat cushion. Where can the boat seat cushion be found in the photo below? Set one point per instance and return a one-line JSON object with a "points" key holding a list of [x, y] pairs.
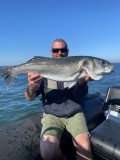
{"points": [[105, 139]]}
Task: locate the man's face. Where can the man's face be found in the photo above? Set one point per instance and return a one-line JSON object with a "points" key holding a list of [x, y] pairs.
{"points": [[59, 50]]}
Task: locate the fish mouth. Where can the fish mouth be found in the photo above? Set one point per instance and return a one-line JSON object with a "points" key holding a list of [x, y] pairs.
{"points": [[109, 70]]}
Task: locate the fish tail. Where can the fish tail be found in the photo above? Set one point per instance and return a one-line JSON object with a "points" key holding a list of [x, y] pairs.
{"points": [[7, 74]]}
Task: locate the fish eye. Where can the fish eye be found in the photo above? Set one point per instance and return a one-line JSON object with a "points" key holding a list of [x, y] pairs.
{"points": [[103, 62], [85, 62]]}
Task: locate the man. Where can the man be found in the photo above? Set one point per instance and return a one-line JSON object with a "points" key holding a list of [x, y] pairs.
{"points": [[62, 110]]}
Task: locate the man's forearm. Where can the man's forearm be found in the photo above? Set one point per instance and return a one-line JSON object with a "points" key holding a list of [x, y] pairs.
{"points": [[30, 93]]}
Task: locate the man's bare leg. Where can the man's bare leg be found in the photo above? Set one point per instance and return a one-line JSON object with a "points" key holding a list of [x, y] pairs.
{"points": [[83, 147], [49, 148]]}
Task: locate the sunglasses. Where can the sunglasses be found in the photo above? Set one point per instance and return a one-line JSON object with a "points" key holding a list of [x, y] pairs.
{"points": [[56, 50]]}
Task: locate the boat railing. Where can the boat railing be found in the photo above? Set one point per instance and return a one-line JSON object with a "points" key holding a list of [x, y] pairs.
{"points": [[112, 101]]}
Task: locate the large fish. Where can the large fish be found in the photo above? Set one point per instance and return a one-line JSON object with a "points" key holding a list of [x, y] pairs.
{"points": [[69, 69]]}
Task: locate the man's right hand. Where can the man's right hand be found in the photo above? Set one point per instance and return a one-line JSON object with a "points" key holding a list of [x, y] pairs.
{"points": [[33, 78]]}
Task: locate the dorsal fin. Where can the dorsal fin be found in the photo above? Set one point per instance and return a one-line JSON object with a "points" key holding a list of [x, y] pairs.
{"points": [[34, 58]]}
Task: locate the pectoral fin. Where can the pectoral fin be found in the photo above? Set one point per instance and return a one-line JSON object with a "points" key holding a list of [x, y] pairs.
{"points": [[95, 77]]}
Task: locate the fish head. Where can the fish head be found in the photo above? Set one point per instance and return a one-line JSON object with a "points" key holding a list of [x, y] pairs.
{"points": [[102, 66], [87, 68], [95, 67]]}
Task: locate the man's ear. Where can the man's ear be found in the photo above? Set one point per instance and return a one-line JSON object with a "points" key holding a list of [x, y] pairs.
{"points": [[51, 52], [67, 52]]}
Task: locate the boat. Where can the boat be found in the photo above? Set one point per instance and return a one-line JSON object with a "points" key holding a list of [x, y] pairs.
{"points": [[20, 141]]}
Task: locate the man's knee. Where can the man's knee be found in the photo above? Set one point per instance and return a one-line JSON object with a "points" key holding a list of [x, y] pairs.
{"points": [[83, 147], [49, 147], [82, 140]]}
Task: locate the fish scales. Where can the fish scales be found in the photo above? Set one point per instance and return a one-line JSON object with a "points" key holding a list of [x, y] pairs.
{"points": [[70, 69]]}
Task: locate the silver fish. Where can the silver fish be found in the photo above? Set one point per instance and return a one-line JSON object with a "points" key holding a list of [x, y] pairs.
{"points": [[68, 69]]}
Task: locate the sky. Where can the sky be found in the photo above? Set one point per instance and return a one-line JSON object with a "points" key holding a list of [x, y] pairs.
{"points": [[28, 28]]}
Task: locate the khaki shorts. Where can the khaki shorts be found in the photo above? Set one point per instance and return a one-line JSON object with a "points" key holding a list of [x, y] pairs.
{"points": [[52, 125]]}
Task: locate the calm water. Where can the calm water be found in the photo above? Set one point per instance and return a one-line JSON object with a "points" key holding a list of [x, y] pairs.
{"points": [[14, 106]]}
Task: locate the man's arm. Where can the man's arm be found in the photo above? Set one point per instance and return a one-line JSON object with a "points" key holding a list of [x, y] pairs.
{"points": [[30, 93], [33, 78], [81, 89]]}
